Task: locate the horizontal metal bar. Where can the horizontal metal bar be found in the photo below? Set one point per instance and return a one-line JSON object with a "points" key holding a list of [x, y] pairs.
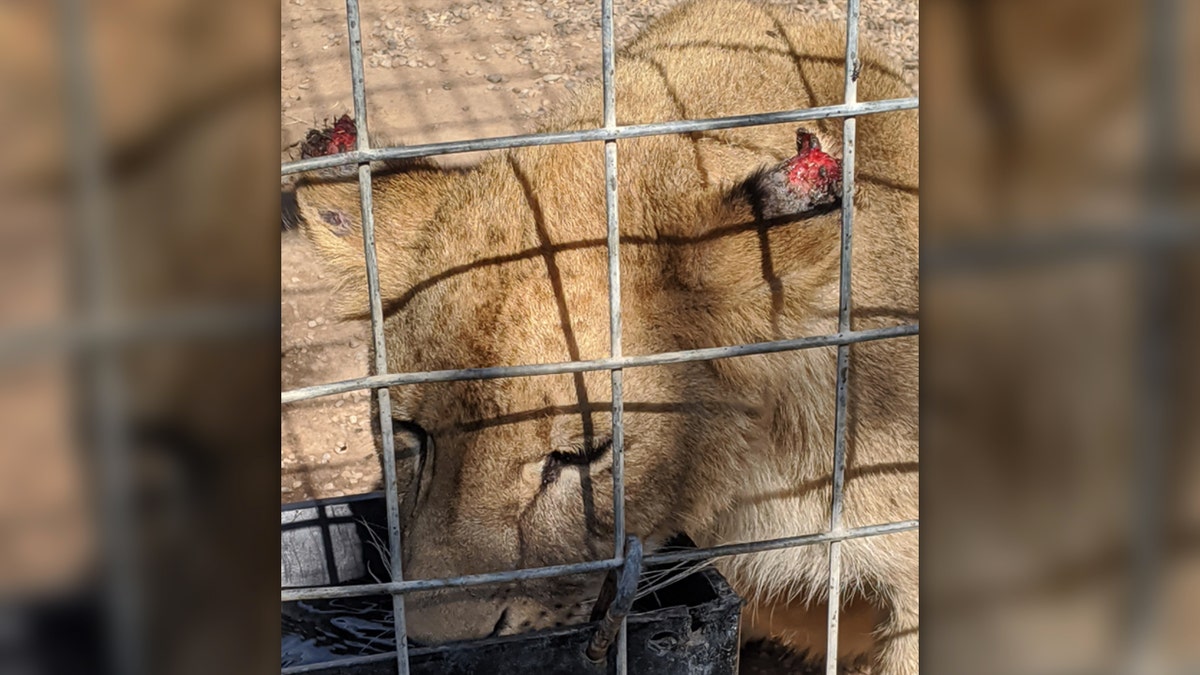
{"points": [[599, 134], [327, 592], [360, 590], [785, 542], [1071, 242], [343, 662], [20, 344], [685, 356]]}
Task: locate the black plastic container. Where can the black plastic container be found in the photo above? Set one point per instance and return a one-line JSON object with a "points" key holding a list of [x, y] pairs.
{"points": [[688, 628]]}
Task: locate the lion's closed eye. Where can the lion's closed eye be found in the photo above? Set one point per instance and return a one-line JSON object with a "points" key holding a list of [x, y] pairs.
{"points": [[413, 449], [583, 453]]}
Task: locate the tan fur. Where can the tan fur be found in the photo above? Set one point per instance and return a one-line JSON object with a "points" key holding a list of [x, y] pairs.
{"points": [[505, 264]]}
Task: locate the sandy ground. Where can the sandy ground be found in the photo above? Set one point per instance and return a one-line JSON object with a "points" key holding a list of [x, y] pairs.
{"points": [[438, 72]]}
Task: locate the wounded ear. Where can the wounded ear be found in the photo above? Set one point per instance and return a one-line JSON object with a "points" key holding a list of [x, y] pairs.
{"points": [[802, 185]]}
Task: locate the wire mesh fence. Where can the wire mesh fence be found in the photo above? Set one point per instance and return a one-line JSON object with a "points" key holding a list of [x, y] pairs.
{"points": [[1160, 236], [609, 133]]}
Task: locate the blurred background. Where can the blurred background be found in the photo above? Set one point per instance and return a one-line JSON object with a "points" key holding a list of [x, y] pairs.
{"points": [[1060, 464], [139, 316], [138, 325]]}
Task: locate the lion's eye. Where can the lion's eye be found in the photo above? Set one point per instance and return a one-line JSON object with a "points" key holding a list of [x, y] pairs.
{"points": [[413, 448], [583, 453]]}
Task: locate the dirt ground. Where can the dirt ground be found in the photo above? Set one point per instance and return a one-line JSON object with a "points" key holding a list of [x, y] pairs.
{"points": [[436, 72]]}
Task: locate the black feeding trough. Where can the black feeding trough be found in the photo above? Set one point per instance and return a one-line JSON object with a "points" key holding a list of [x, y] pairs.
{"points": [[689, 627]]}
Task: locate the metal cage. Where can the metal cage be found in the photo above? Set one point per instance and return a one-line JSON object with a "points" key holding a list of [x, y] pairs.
{"points": [[616, 362]]}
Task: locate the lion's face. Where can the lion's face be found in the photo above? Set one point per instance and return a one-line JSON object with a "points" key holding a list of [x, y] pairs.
{"points": [[509, 477], [515, 473]]}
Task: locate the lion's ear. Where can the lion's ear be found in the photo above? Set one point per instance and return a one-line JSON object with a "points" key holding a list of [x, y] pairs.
{"points": [[331, 218], [330, 215]]}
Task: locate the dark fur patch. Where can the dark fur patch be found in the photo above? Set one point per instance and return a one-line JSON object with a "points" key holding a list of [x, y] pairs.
{"points": [[337, 221]]}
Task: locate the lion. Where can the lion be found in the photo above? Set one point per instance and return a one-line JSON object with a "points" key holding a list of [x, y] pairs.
{"points": [[505, 263]]}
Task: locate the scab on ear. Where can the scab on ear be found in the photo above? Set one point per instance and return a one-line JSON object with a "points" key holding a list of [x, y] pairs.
{"points": [[339, 223]]}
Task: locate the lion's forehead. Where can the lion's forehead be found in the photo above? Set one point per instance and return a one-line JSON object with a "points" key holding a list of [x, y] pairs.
{"points": [[546, 405], [484, 319]]}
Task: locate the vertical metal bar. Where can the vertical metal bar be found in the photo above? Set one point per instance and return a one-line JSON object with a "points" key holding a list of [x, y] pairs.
{"points": [[614, 278], [843, 352], [1155, 271], [101, 389], [354, 27], [608, 76]]}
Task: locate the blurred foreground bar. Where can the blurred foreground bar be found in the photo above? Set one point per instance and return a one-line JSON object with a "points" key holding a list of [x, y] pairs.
{"points": [[138, 318], [1060, 463]]}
